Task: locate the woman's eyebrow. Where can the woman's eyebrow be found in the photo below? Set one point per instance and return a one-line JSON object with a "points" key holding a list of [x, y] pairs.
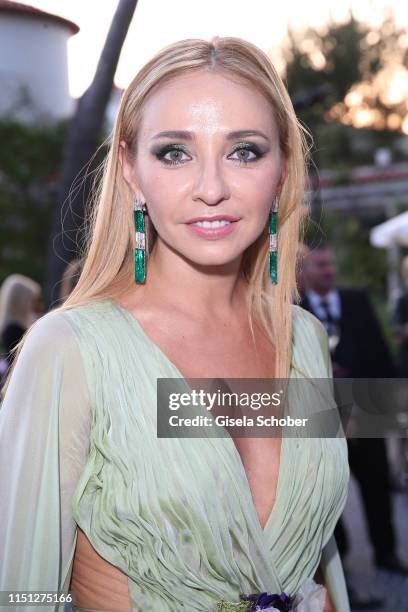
{"points": [[186, 135]]}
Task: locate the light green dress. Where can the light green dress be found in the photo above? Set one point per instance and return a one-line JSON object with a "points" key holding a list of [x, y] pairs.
{"points": [[79, 447]]}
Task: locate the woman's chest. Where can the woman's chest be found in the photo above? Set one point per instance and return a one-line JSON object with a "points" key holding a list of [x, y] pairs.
{"points": [[260, 458], [224, 357], [198, 350]]}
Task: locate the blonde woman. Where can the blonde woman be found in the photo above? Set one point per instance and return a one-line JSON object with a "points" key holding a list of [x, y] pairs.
{"points": [[206, 143]]}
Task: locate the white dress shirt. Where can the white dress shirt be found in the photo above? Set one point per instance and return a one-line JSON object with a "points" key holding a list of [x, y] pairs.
{"points": [[333, 303]]}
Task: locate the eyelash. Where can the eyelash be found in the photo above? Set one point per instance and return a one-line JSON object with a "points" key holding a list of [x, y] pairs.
{"points": [[160, 154]]}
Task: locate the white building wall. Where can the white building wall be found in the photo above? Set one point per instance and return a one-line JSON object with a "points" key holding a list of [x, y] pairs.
{"points": [[33, 63]]}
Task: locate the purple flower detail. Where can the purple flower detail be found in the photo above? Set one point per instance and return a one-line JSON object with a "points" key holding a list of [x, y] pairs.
{"points": [[261, 601]]}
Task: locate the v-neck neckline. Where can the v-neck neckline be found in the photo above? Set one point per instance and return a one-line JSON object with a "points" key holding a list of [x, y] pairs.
{"points": [[235, 453]]}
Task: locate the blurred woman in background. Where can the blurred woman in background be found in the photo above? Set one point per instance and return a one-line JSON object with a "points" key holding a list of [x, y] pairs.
{"points": [[20, 306]]}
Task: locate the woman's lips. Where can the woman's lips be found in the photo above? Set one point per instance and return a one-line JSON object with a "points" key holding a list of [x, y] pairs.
{"points": [[214, 231]]}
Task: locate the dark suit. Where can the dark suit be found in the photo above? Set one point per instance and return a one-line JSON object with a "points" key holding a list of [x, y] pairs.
{"points": [[400, 317], [10, 337], [363, 351]]}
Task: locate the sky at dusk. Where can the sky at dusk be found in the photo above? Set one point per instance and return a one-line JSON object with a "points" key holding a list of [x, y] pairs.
{"points": [[160, 22]]}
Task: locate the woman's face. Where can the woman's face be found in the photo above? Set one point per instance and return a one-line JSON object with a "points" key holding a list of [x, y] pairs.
{"points": [[208, 165]]}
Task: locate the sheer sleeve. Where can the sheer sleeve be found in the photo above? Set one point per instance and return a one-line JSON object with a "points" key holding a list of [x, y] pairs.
{"points": [[44, 444], [332, 570]]}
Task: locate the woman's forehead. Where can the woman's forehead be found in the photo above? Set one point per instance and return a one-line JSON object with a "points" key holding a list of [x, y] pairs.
{"points": [[207, 102]]}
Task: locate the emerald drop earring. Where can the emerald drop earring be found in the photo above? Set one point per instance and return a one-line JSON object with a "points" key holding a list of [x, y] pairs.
{"points": [[273, 242], [140, 250]]}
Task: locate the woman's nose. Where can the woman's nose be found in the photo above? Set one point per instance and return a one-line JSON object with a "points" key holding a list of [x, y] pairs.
{"points": [[210, 184]]}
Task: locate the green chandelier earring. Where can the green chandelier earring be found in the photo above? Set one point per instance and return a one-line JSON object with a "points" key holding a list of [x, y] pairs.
{"points": [[273, 242], [140, 250]]}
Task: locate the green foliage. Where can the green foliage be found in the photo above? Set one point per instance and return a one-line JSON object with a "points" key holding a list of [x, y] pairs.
{"points": [[343, 147], [30, 157], [338, 48], [349, 57], [346, 56], [359, 263]]}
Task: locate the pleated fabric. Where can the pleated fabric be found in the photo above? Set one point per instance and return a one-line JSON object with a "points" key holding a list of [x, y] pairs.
{"points": [[175, 514]]}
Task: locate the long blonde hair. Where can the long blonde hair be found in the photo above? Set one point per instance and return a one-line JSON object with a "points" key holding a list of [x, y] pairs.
{"points": [[108, 259]]}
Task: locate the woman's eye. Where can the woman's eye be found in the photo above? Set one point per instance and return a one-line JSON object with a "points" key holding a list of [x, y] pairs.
{"points": [[171, 155], [174, 155], [246, 154]]}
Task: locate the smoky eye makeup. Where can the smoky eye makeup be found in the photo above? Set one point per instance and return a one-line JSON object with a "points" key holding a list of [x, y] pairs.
{"points": [[173, 153], [249, 147], [161, 153]]}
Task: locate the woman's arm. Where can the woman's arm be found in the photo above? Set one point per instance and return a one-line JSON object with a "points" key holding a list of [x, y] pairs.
{"points": [[319, 578], [44, 436]]}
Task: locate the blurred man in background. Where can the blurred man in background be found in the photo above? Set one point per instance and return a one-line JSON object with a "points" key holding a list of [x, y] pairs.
{"points": [[400, 322], [358, 350]]}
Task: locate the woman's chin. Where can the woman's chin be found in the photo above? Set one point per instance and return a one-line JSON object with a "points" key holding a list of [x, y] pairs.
{"points": [[216, 264]]}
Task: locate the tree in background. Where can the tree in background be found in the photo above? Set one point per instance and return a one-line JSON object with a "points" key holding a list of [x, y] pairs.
{"points": [[366, 68], [30, 157], [85, 133], [363, 69]]}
